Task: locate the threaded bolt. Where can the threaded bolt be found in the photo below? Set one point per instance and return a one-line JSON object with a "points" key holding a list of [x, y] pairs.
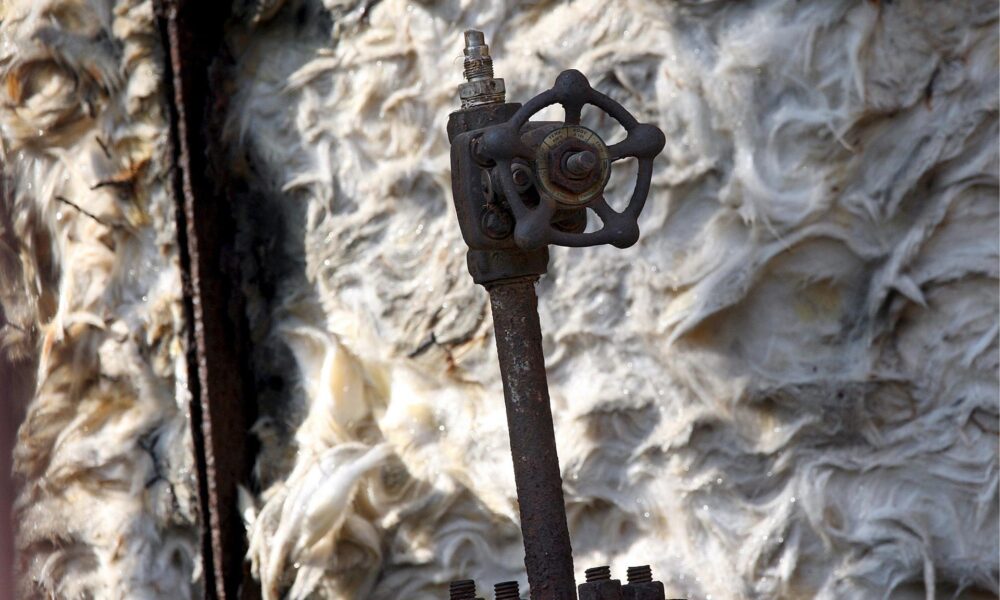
{"points": [[478, 62], [580, 164], [598, 574], [642, 574], [497, 223], [521, 176], [480, 86], [464, 589], [508, 590]]}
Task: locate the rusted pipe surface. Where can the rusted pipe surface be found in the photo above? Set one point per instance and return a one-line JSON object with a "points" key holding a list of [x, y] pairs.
{"points": [[548, 556]]}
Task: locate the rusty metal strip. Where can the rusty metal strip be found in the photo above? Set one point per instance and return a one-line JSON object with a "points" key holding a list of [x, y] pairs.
{"points": [[7, 435], [222, 406], [11, 399]]}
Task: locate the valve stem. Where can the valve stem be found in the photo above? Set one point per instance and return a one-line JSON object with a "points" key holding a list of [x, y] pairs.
{"points": [[480, 86]]}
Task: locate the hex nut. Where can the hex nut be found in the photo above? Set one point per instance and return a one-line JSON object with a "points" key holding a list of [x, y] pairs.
{"points": [[609, 589], [650, 590], [481, 91]]}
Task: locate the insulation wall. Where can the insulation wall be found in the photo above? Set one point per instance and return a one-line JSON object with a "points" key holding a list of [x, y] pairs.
{"points": [[92, 318], [786, 389]]}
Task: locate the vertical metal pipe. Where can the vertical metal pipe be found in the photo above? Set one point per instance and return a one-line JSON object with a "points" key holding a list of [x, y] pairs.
{"points": [[548, 555]]}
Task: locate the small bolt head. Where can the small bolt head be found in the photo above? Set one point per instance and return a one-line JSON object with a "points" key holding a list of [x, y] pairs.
{"points": [[496, 222], [521, 176]]}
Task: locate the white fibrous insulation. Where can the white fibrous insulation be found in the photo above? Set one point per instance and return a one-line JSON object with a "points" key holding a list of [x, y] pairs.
{"points": [[91, 305], [787, 389]]}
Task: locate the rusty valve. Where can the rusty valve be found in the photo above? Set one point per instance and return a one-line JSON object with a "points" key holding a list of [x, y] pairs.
{"points": [[572, 166], [520, 185]]}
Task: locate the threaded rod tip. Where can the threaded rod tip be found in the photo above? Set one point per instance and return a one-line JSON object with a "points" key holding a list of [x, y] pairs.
{"points": [[598, 574], [464, 589], [641, 574], [474, 38], [507, 590]]}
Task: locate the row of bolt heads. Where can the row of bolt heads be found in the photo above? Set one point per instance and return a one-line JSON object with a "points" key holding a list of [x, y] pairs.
{"points": [[599, 586]]}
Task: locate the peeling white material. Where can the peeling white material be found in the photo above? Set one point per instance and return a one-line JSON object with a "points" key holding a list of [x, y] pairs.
{"points": [[787, 389], [106, 505]]}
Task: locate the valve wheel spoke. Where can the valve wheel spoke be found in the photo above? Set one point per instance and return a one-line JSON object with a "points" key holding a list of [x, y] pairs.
{"points": [[607, 214], [572, 112], [642, 141]]}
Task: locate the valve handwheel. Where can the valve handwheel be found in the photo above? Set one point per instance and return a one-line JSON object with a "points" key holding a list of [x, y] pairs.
{"points": [[572, 166]]}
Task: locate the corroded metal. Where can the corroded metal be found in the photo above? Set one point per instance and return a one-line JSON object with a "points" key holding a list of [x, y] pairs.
{"points": [[548, 556], [641, 586], [480, 87], [513, 139], [519, 186], [599, 585], [464, 589], [222, 407], [507, 590], [572, 166]]}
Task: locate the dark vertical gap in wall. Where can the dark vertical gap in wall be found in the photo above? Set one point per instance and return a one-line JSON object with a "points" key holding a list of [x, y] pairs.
{"points": [[18, 368], [223, 407], [17, 385], [18, 365]]}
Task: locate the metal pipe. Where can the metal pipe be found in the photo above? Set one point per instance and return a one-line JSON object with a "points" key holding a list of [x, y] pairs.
{"points": [[548, 556]]}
